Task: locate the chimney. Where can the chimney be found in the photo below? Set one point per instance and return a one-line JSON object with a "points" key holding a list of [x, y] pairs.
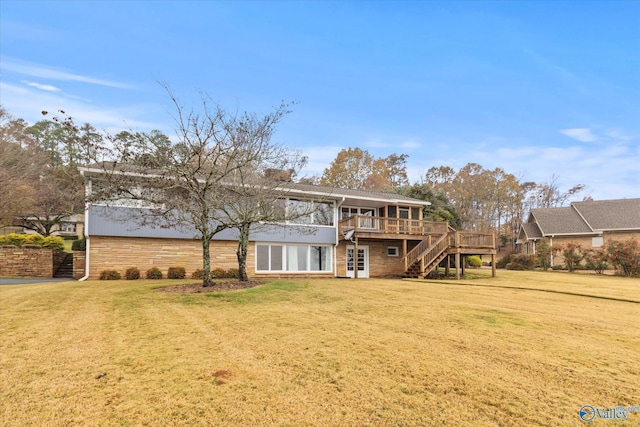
{"points": [[278, 175]]}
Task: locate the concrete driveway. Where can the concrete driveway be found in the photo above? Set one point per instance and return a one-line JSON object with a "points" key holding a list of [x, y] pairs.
{"points": [[31, 280]]}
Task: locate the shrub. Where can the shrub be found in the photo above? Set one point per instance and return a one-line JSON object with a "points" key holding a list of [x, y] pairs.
{"points": [[596, 260], [572, 253], [218, 273], [132, 273], [521, 262], [176, 273], [625, 256], [34, 240], [233, 273], [543, 255], [502, 262], [109, 275], [12, 239], [154, 273], [53, 242], [474, 261], [79, 245]]}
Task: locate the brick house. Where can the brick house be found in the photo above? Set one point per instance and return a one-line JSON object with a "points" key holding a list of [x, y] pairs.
{"points": [[358, 234], [590, 224]]}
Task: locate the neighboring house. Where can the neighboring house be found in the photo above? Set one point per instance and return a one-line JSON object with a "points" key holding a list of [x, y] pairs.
{"points": [[70, 226], [590, 224], [358, 234]]}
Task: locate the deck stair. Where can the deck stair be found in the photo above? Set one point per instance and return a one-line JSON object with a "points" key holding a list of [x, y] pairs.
{"points": [[426, 256]]}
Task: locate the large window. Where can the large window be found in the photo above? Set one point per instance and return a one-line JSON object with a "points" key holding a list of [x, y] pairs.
{"points": [[308, 212], [293, 258]]}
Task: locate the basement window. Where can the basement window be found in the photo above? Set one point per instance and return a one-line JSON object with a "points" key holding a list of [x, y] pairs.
{"points": [[393, 251]]}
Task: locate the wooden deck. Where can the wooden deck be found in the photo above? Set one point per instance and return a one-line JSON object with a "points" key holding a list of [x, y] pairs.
{"points": [[435, 240]]}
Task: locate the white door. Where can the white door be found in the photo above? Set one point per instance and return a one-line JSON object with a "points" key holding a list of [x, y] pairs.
{"points": [[362, 262]]}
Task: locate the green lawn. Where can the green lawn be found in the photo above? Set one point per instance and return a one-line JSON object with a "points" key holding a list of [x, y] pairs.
{"points": [[519, 350]]}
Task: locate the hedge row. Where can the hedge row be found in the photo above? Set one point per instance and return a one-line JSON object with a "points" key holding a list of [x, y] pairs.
{"points": [[133, 273], [19, 240]]}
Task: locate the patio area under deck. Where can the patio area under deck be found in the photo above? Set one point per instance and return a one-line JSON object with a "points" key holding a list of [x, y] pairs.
{"points": [[435, 240]]}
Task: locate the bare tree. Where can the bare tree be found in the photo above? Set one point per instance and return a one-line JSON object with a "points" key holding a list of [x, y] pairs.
{"points": [[211, 179], [21, 165], [549, 194]]}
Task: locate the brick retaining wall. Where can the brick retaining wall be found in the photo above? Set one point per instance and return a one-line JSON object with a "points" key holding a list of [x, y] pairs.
{"points": [[79, 264], [28, 261]]}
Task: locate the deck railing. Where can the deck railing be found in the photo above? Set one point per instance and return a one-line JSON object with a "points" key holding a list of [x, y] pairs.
{"points": [[378, 224], [472, 239]]}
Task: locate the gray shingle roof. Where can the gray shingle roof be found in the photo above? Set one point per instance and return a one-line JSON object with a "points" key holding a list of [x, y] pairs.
{"points": [[531, 230], [560, 221], [589, 217], [621, 214]]}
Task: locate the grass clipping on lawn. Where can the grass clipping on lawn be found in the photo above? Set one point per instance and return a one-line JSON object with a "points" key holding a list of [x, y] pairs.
{"points": [[320, 352]]}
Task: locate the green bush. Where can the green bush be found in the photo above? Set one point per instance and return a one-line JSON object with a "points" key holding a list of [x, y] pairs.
{"points": [[109, 275], [521, 262], [176, 273], [233, 273], [132, 273], [502, 262], [154, 273], [625, 256], [34, 239], [218, 273], [474, 261], [79, 245], [15, 239], [53, 242]]}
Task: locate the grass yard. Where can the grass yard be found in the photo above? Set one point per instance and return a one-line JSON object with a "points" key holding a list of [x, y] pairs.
{"points": [[522, 349]]}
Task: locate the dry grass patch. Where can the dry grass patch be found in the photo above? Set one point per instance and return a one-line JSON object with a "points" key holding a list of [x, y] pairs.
{"points": [[319, 352]]}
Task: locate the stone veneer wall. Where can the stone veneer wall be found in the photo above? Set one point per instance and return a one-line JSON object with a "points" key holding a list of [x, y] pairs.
{"points": [[121, 253], [79, 264], [380, 264], [28, 262]]}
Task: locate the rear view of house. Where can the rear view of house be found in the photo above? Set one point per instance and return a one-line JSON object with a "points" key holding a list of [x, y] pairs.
{"points": [[350, 233]]}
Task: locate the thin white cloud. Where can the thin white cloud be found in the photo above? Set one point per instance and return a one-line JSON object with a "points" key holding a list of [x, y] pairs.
{"points": [[48, 88], [580, 134], [47, 72], [408, 144], [27, 102]]}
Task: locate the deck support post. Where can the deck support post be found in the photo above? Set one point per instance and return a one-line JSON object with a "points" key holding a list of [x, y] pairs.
{"points": [[457, 265], [404, 254], [447, 267], [493, 265]]}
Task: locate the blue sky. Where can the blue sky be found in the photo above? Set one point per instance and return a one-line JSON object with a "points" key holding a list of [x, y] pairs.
{"points": [[537, 88]]}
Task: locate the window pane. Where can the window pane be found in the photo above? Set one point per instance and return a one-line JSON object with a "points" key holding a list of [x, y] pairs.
{"points": [[276, 258], [320, 258], [299, 211], [323, 214], [296, 258], [262, 257]]}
